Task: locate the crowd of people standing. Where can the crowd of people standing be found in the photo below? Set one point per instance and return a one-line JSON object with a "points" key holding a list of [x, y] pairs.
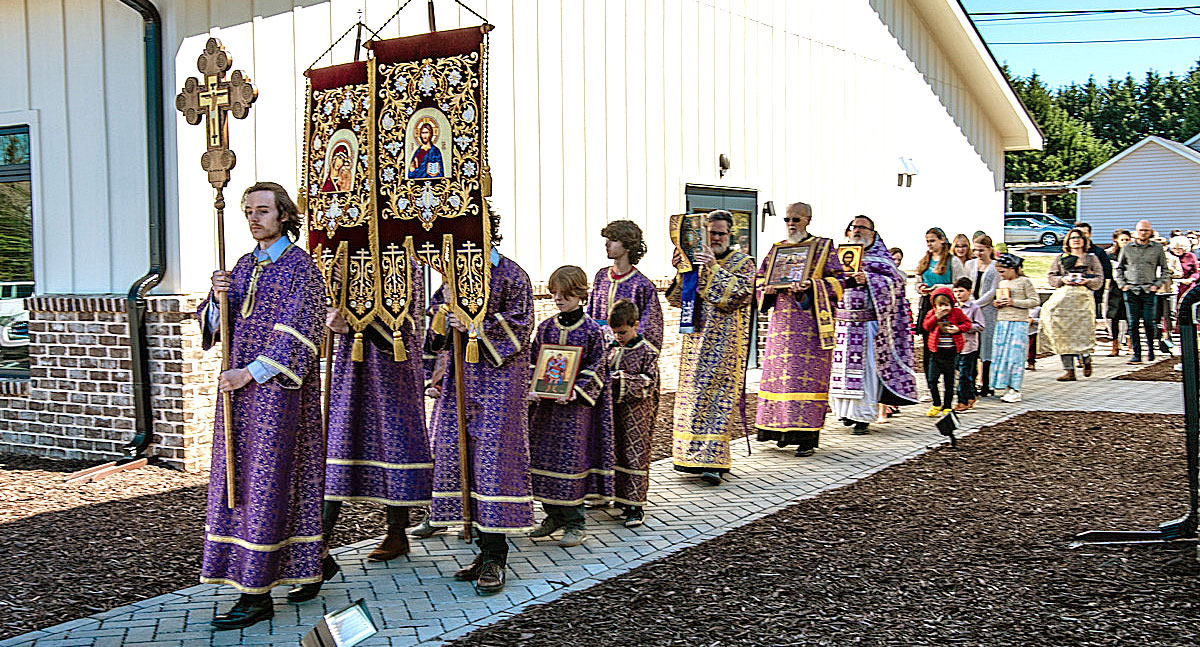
{"points": [[840, 339]]}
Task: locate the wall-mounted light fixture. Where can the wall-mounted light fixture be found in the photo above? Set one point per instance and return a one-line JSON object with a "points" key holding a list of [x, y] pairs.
{"points": [[906, 171], [724, 164]]}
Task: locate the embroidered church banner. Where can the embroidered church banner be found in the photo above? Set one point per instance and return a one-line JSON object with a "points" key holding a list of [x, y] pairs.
{"points": [[429, 110], [395, 156]]}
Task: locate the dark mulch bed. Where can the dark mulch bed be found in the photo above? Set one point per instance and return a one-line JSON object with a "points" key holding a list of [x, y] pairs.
{"points": [[660, 443], [964, 547], [75, 550], [1161, 371]]}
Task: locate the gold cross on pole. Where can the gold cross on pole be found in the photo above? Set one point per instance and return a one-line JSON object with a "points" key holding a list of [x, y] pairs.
{"points": [[210, 100]]}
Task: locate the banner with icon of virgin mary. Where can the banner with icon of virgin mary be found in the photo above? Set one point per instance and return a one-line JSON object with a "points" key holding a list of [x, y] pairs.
{"points": [[394, 169]]}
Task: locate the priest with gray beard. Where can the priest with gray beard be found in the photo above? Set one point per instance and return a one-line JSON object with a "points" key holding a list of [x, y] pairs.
{"points": [[873, 358]]}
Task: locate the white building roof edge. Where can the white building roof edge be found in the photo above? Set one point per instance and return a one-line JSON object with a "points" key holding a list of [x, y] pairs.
{"points": [[1173, 146], [953, 30]]}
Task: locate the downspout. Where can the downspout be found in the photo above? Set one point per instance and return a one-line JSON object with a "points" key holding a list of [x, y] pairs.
{"points": [[139, 351]]}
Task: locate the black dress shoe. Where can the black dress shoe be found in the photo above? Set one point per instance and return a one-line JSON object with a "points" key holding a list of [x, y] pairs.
{"points": [[711, 478], [847, 422], [491, 578], [861, 429], [306, 592], [243, 614], [802, 453]]}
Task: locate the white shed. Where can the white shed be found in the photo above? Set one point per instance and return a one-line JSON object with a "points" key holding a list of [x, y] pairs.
{"points": [[1155, 179]]}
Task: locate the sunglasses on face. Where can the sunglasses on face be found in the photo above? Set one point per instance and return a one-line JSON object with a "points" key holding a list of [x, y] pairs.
{"points": [[793, 220]]}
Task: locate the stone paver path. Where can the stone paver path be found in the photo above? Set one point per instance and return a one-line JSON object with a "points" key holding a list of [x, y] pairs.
{"points": [[415, 600]]}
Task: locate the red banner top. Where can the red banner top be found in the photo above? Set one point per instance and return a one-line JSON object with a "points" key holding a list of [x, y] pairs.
{"points": [[438, 44]]}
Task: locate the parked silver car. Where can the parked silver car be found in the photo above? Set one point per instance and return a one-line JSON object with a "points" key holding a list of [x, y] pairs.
{"points": [[1037, 216], [1026, 230]]}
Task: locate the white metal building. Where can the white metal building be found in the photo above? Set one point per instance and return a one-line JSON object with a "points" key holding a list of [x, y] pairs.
{"points": [[600, 110], [1155, 179]]}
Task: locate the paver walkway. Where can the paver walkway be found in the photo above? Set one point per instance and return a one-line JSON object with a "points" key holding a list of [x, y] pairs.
{"points": [[416, 601]]}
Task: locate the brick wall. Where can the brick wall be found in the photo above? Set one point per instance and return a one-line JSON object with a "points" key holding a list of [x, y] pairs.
{"points": [[78, 402]]}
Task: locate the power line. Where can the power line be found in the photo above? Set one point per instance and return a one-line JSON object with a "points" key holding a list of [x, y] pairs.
{"points": [[1083, 42], [1093, 17], [1078, 12]]}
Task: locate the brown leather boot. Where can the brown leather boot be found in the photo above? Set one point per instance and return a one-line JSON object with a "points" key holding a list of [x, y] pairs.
{"points": [[394, 544], [1087, 366], [1116, 348], [491, 578], [1069, 376], [470, 573]]}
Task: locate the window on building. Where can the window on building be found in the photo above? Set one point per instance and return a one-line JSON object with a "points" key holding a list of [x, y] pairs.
{"points": [[16, 250]]}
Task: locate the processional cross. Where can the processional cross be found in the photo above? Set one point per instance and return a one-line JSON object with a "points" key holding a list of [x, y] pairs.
{"points": [[210, 101]]}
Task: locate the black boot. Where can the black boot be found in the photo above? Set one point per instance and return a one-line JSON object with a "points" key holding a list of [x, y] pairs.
{"points": [[250, 609], [306, 592], [861, 429], [986, 387]]}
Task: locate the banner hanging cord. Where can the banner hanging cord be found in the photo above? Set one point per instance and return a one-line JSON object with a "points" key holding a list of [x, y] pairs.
{"points": [[407, 2], [375, 32]]}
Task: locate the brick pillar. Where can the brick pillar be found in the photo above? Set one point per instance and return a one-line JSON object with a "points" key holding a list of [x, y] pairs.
{"points": [[78, 402]]}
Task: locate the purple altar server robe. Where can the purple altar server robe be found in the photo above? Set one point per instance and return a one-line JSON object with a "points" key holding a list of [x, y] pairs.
{"points": [[378, 444], [571, 444], [497, 414], [637, 288], [273, 536], [633, 372]]}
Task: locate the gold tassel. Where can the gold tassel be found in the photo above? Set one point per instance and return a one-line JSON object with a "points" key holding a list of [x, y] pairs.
{"points": [[398, 352], [473, 351], [356, 352], [439, 321]]}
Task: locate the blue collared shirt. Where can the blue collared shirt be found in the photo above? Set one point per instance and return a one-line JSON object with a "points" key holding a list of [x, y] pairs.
{"points": [[259, 371]]}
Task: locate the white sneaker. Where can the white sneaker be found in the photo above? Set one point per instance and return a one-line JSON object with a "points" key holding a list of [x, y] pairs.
{"points": [[1011, 396]]}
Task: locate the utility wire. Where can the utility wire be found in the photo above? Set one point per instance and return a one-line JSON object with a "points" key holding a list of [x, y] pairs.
{"points": [[1079, 12], [1082, 42]]}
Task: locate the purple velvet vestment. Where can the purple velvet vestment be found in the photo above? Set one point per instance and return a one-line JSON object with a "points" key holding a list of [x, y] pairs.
{"points": [[571, 444], [637, 288], [378, 445], [879, 305], [633, 373], [273, 536], [497, 414], [793, 394]]}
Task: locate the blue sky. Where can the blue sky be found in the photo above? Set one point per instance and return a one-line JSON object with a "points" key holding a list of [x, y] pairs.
{"points": [[1062, 64]]}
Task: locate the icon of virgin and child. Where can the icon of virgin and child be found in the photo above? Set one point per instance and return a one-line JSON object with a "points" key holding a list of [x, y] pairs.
{"points": [[340, 155]]}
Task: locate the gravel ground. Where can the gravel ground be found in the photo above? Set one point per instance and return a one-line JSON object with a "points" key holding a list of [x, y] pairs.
{"points": [[75, 550], [1161, 371], [965, 547]]}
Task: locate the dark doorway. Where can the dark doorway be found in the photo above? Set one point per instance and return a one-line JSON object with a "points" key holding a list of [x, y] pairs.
{"points": [[743, 204]]}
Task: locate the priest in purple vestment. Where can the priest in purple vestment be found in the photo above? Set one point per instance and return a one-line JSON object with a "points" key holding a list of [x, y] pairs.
{"points": [[793, 395], [378, 447], [625, 247], [276, 303], [497, 423], [873, 358]]}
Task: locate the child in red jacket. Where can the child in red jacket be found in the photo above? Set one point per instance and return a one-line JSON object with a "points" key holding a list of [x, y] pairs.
{"points": [[945, 324]]}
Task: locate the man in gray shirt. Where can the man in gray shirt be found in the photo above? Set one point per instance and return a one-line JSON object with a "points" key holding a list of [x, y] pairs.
{"points": [[1141, 270]]}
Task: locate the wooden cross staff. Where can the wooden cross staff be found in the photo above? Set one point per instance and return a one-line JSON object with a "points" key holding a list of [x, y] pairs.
{"points": [[210, 100]]}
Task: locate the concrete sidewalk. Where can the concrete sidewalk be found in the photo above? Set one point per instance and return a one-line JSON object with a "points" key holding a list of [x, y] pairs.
{"points": [[415, 600]]}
